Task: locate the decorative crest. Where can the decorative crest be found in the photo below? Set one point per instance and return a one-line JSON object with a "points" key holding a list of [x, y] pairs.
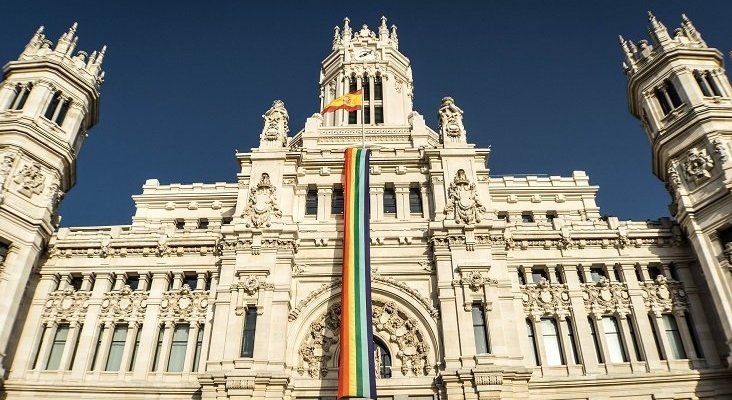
{"points": [[262, 204], [276, 126], [462, 200]]}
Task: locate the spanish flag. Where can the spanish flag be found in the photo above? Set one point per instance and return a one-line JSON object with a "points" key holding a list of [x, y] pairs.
{"points": [[349, 102]]}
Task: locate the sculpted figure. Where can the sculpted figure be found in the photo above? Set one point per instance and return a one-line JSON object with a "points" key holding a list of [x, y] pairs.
{"points": [[262, 204], [450, 117], [276, 126], [30, 180], [462, 200]]}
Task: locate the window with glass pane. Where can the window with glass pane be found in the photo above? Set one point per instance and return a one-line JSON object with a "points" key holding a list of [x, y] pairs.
{"points": [[379, 114], [389, 201], [532, 342], [250, 329], [76, 347], [527, 217], [76, 282], [191, 280], [596, 273], [133, 281], [63, 110], [654, 272], [415, 201], [537, 274], [336, 203], [694, 336], [199, 346], [135, 350], [673, 337], [311, 202], [116, 348], [57, 346], [613, 340], [178, 348], [480, 330], [595, 340], [550, 336], [51, 109], [656, 339], [378, 88], [38, 350], [158, 349], [383, 360], [572, 342], [97, 347], [366, 88]]}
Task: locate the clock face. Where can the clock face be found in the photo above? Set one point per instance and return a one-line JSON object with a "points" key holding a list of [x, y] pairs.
{"points": [[362, 54]]}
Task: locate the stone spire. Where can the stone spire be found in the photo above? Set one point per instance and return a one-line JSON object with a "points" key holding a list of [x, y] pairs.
{"points": [[658, 31], [690, 30], [67, 41], [383, 30]]}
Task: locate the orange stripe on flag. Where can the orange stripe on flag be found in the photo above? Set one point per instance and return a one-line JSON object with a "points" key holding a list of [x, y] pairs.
{"points": [[349, 102]]}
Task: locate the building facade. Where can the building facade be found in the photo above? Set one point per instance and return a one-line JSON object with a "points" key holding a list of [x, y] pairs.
{"points": [[484, 287]]}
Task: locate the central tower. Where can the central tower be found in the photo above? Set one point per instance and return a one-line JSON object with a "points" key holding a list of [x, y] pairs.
{"points": [[368, 61]]}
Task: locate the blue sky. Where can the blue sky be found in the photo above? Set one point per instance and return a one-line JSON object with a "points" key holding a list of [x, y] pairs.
{"points": [[187, 83]]}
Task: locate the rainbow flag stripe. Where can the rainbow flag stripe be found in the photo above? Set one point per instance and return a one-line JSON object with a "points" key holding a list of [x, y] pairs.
{"points": [[356, 374]]}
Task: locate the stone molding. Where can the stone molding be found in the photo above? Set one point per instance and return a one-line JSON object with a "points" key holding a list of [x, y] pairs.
{"points": [[184, 304], [662, 296], [124, 304], [545, 300], [66, 305], [605, 297]]}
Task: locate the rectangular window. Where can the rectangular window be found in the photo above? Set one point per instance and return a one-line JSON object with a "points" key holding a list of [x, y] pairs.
{"points": [[57, 346], [558, 275], [580, 275], [631, 331], [550, 337], [532, 342], [654, 272], [480, 329], [158, 349], [76, 281], [702, 83], [572, 342], [367, 114], [353, 117], [503, 216], [336, 202], [250, 329], [51, 109], [415, 201], [379, 114], [76, 347], [616, 273], [116, 348], [63, 110], [191, 280], [199, 347], [674, 337], [597, 273], [178, 348], [180, 223], [226, 220], [527, 217], [521, 279], [550, 216], [537, 274], [202, 223], [311, 202], [378, 88], [661, 355], [389, 201], [694, 336], [614, 340], [366, 88], [135, 349], [133, 281], [595, 340], [19, 101]]}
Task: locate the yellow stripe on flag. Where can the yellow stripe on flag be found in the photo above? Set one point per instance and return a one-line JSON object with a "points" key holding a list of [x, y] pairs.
{"points": [[349, 102]]}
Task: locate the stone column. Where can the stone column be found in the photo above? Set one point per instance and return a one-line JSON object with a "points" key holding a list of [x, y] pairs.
{"points": [[45, 350], [600, 336], [686, 339], [8, 91], [177, 280], [402, 200], [660, 330], [74, 119], [235, 325], [378, 203], [165, 350], [373, 202], [627, 339], [585, 345], [566, 343], [696, 309], [191, 346], [424, 192], [38, 99], [646, 341], [325, 194], [201, 280], [69, 346], [132, 329], [106, 342], [150, 326], [539, 341]]}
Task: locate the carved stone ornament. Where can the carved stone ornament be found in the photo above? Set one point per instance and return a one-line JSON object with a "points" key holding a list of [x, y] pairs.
{"points": [[6, 165], [674, 180], [698, 164], [30, 179], [474, 280], [262, 204], [606, 297], [276, 126], [184, 304], [450, 119], [239, 383], [720, 149], [124, 304], [545, 299], [67, 305], [55, 195], [462, 200], [251, 284], [728, 251], [389, 321], [662, 296], [481, 379]]}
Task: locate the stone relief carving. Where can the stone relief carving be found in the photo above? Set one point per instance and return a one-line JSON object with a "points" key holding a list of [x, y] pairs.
{"points": [[184, 304], [488, 379], [6, 165], [30, 179], [240, 384], [698, 164], [605, 297], [262, 204], [393, 323], [474, 280], [462, 200], [67, 304], [728, 252], [124, 304], [720, 150], [251, 284], [450, 119], [545, 299], [55, 195], [661, 296], [276, 120]]}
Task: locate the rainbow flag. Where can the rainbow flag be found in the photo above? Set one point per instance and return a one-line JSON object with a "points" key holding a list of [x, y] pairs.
{"points": [[356, 374]]}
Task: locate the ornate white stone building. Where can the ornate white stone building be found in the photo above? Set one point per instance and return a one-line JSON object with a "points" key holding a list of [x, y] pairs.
{"points": [[484, 287]]}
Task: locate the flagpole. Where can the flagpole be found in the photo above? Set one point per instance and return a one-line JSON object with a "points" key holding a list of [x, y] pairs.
{"points": [[363, 128]]}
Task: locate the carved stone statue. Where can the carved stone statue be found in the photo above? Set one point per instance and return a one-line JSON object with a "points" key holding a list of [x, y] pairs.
{"points": [[698, 164], [450, 119], [262, 204], [462, 200], [30, 179], [276, 120], [6, 165]]}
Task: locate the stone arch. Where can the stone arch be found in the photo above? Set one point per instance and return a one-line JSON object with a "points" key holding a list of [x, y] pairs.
{"points": [[404, 321]]}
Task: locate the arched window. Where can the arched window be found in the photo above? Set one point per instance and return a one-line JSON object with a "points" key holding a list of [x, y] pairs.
{"points": [[22, 91], [382, 359]]}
